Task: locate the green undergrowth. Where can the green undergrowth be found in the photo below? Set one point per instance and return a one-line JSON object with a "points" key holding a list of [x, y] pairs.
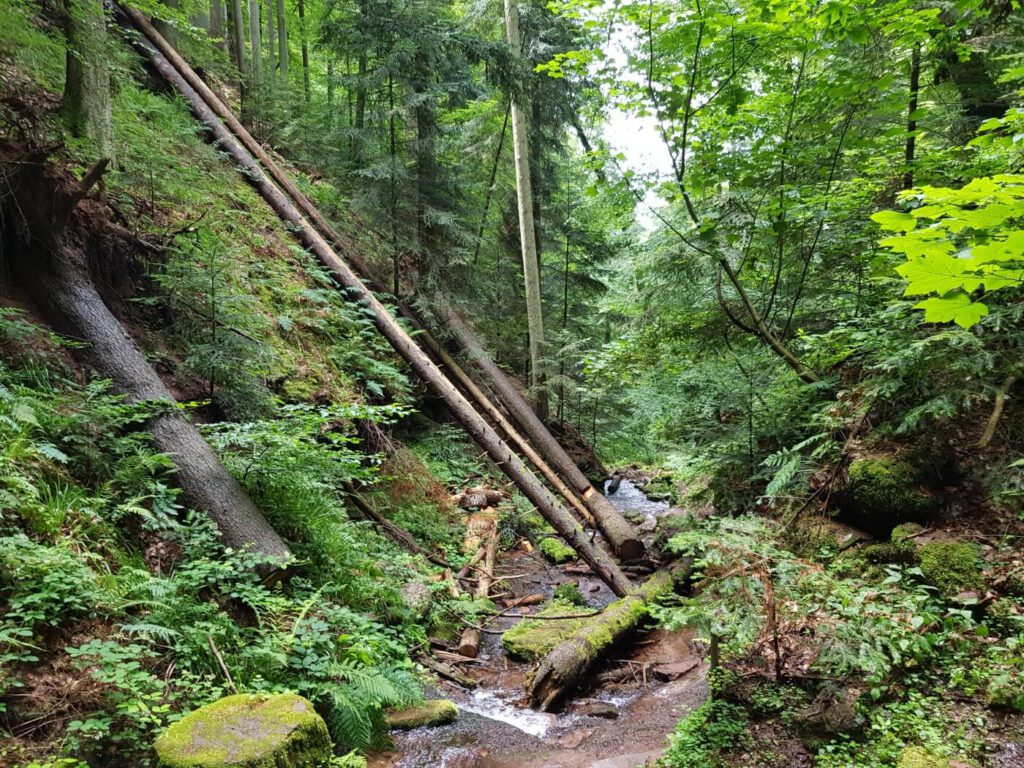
{"points": [[108, 577], [913, 663]]}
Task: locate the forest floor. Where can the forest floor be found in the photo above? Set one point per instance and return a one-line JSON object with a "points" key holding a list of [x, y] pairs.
{"points": [[619, 719]]}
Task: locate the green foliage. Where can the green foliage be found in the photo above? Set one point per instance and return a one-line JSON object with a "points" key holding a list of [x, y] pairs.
{"points": [[959, 243], [707, 736], [918, 723]]}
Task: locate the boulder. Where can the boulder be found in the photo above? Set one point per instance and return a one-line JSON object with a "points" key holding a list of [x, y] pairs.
{"points": [[882, 492], [918, 757], [432, 712], [247, 731], [951, 566], [417, 598]]}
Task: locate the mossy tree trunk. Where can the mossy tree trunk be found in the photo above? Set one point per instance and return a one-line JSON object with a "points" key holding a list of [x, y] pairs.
{"points": [[86, 106]]}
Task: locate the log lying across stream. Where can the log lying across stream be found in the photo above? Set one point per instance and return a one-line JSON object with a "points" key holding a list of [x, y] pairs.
{"points": [[181, 76], [565, 666]]}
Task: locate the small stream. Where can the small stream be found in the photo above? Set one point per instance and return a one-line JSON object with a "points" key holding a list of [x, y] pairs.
{"points": [[494, 727]]}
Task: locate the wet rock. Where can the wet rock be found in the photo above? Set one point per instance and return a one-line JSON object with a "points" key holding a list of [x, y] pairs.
{"points": [[247, 731], [648, 525], [676, 669], [430, 713], [417, 598], [603, 709]]}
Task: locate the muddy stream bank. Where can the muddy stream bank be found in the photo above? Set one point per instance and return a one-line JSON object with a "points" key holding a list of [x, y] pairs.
{"points": [[619, 719]]}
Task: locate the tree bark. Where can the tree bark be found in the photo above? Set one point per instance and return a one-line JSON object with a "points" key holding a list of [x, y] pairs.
{"points": [[527, 235], [237, 36], [268, 11], [621, 534], [915, 86], [255, 43], [185, 80], [282, 39], [168, 30], [217, 23], [56, 275], [305, 49], [566, 664], [469, 643], [86, 106]]}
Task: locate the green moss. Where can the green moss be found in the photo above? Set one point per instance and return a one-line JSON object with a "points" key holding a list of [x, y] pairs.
{"points": [[556, 550], [951, 566], [884, 492], [247, 731], [430, 713], [916, 757], [569, 593], [531, 639]]}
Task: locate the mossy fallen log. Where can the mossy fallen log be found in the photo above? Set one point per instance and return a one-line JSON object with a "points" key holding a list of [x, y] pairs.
{"points": [[562, 669]]}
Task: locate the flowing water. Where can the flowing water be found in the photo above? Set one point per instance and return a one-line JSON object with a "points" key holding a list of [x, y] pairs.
{"points": [[495, 729]]}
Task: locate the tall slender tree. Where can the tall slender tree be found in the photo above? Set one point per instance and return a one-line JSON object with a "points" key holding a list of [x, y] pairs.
{"points": [[527, 234]]}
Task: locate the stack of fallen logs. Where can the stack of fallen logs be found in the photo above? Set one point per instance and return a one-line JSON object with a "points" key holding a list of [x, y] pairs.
{"points": [[481, 540]]}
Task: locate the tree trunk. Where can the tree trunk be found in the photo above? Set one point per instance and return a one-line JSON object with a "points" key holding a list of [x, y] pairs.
{"points": [[621, 534], [305, 49], [282, 39], [54, 272], [268, 12], [86, 105], [185, 80], [527, 236], [237, 36], [167, 29], [255, 43], [566, 664], [217, 23], [469, 643], [915, 86]]}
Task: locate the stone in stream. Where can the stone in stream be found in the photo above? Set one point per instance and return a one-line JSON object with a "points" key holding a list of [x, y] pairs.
{"points": [[603, 709], [247, 731], [431, 712]]}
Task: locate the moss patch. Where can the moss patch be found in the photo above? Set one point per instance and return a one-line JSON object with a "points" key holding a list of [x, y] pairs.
{"points": [[556, 550], [883, 493], [248, 731], [951, 566], [432, 712], [531, 639], [916, 757]]}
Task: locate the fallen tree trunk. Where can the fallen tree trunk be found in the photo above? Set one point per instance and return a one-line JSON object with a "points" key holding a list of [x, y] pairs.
{"points": [[53, 268], [348, 251], [469, 644], [393, 531], [474, 425], [620, 532], [564, 666]]}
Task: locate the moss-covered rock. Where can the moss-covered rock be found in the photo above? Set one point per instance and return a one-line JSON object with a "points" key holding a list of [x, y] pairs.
{"points": [[884, 492], [918, 757], [531, 639], [556, 550], [247, 731], [951, 566], [432, 712]]}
